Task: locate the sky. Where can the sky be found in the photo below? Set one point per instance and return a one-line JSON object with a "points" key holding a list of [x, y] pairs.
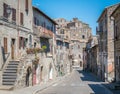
{"points": [[87, 11]]}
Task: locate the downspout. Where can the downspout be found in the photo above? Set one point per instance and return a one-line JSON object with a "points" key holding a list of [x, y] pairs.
{"points": [[18, 9]]}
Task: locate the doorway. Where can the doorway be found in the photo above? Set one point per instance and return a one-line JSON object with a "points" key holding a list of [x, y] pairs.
{"points": [[80, 64], [41, 73], [13, 48]]}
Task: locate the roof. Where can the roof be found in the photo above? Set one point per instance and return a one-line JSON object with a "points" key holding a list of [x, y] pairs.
{"points": [[115, 10], [105, 11], [44, 15]]}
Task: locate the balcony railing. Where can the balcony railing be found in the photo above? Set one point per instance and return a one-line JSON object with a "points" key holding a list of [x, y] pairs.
{"points": [[42, 32]]}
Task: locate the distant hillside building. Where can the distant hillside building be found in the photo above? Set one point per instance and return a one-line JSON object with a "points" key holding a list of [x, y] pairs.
{"points": [[79, 34]]}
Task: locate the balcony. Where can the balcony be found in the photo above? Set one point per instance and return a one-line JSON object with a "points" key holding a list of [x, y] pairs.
{"points": [[63, 38], [42, 32]]}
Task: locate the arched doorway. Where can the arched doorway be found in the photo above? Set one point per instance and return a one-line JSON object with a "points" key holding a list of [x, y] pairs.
{"points": [[29, 70]]}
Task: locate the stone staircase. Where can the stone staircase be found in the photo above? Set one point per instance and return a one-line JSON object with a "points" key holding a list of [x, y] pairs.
{"points": [[9, 75]]}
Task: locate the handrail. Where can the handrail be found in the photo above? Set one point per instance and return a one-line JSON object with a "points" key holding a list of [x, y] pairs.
{"points": [[6, 60]]}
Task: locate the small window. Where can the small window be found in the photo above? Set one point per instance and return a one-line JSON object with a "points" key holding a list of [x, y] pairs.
{"points": [[26, 6], [35, 20], [14, 15], [80, 56], [83, 36], [80, 64], [21, 18], [5, 14]]}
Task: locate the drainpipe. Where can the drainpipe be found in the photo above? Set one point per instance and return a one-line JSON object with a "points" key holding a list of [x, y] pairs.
{"points": [[18, 9]]}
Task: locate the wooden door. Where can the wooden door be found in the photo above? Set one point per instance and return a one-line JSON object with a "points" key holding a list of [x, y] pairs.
{"points": [[5, 44]]}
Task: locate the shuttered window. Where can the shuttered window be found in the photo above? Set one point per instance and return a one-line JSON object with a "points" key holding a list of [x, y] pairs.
{"points": [[26, 5], [5, 10], [22, 42], [21, 18], [5, 45], [14, 14]]}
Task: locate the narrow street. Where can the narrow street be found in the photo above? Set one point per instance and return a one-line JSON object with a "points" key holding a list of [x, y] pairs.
{"points": [[77, 83]]}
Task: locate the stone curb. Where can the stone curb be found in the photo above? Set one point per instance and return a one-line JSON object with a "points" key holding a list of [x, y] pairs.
{"points": [[35, 92], [60, 79]]}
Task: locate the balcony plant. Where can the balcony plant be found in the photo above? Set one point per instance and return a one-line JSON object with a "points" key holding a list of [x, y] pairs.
{"points": [[44, 48], [33, 50]]}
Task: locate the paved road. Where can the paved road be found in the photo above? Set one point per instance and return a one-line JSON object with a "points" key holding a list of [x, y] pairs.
{"points": [[77, 83]]}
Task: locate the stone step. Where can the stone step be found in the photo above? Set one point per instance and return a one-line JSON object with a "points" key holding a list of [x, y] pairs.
{"points": [[8, 83], [9, 77], [6, 87], [11, 68], [9, 74], [13, 64], [15, 61], [9, 80]]}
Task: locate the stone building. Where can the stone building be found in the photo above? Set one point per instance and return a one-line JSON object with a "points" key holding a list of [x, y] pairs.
{"points": [[44, 30], [79, 35], [106, 43], [16, 35], [91, 52], [116, 17], [62, 43], [27, 46], [16, 22]]}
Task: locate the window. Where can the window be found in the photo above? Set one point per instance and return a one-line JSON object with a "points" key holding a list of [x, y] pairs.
{"points": [[5, 45], [5, 14], [72, 63], [116, 32], [35, 20], [80, 64], [26, 5], [62, 31], [80, 56], [21, 42], [21, 18], [83, 37], [14, 14]]}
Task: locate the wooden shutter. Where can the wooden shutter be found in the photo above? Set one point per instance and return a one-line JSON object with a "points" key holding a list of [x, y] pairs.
{"points": [[26, 5], [5, 10], [21, 18], [5, 45], [14, 14]]}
